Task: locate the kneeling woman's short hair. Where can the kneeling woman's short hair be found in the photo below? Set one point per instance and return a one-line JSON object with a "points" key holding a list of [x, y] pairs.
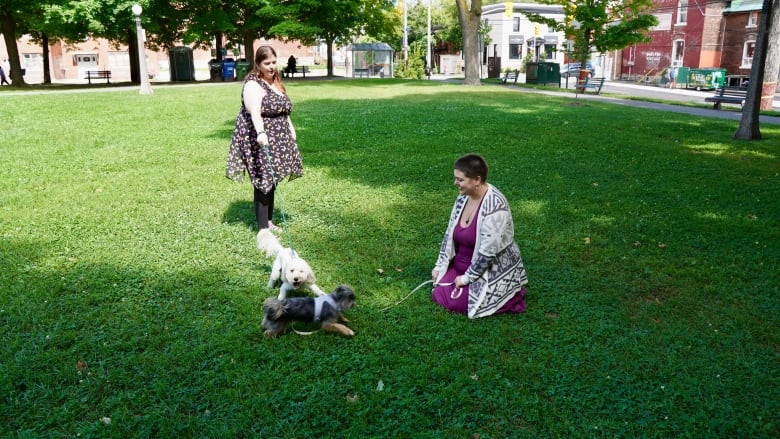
{"points": [[472, 166]]}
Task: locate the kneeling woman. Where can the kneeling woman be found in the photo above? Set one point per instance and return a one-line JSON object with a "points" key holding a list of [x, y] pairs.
{"points": [[479, 271]]}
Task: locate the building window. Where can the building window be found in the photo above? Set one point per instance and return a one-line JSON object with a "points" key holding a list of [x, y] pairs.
{"points": [[515, 50], [118, 59], [516, 24], [682, 12], [752, 19], [678, 51], [549, 51], [33, 61], [747, 54]]}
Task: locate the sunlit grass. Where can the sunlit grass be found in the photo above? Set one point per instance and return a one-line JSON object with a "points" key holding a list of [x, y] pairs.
{"points": [[131, 289]]}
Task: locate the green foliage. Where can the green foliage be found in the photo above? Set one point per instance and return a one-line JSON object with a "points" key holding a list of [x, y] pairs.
{"points": [[132, 290], [414, 67], [603, 26]]}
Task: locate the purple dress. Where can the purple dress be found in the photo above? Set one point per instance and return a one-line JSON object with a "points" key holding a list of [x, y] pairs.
{"points": [[446, 293]]}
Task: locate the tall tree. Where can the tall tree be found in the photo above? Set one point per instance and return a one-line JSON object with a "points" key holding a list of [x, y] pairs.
{"points": [[748, 125], [18, 17], [601, 25], [772, 67], [470, 18]]}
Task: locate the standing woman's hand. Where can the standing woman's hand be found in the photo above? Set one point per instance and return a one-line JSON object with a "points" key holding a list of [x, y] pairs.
{"points": [[292, 130], [262, 138]]}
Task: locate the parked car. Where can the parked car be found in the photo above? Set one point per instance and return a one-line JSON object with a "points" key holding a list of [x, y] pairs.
{"points": [[573, 70]]}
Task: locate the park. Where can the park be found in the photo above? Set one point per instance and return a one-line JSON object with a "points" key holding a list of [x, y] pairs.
{"points": [[131, 288]]}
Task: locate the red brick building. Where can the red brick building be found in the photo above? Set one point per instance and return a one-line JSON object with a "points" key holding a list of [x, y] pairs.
{"points": [[696, 34]]}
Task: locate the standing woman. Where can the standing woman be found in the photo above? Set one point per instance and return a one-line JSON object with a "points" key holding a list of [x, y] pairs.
{"points": [[264, 130], [479, 271]]}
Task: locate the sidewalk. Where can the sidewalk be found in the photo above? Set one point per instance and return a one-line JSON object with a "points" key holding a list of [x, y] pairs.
{"points": [[630, 88]]}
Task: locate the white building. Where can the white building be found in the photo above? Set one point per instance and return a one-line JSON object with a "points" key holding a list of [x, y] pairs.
{"points": [[513, 36]]}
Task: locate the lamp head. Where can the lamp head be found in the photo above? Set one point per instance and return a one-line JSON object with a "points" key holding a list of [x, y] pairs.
{"points": [[137, 9]]}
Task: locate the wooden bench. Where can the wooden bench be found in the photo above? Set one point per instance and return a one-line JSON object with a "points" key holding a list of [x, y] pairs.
{"points": [[98, 74], [303, 70], [360, 73], [510, 76], [729, 95], [591, 84]]}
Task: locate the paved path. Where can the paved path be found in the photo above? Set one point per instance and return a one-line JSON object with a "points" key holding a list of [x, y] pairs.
{"points": [[631, 89]]}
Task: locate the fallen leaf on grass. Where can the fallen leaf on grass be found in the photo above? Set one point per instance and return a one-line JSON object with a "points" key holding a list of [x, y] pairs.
{"points": [[475, 377], [637, 243], [587, 240], [352, 397], [80, 365], [106, 420], [399, 269], [661, 245], [380, 386], [380, 271]]}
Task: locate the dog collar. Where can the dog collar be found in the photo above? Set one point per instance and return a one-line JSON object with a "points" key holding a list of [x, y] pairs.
{"points": [[318, 302]]}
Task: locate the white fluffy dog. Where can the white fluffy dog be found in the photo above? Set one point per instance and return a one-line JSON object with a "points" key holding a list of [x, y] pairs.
{"points": [[293, 270]]}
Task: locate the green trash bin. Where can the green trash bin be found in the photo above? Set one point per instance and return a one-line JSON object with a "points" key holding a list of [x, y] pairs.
{"points": [[242, 68], [543, 73], [706, 79], [182, 64]]}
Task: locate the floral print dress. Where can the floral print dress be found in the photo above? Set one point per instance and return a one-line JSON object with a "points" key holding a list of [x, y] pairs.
{"points": [[246, 155]]}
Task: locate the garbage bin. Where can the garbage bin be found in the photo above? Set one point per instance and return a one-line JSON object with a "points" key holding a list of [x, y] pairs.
{"points": [[543, 73], [215, 70], [182, 64], [242, 68], [708, 79], [228, 69]]}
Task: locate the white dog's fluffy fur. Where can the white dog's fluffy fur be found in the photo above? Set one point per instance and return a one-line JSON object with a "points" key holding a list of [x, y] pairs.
{"points": [[288, 266]]}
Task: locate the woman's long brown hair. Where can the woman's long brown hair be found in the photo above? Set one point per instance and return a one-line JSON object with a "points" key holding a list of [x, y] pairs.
{"points": [[262, 54]]}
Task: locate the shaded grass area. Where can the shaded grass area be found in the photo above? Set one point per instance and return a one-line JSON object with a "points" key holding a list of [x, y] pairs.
{"points": [[132, 291]]}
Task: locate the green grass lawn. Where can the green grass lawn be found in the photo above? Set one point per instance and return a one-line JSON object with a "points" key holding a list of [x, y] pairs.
{"points": [[131, 289]]}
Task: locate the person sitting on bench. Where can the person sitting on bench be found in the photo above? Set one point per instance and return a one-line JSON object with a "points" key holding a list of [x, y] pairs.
{"points": [[290, 70]]}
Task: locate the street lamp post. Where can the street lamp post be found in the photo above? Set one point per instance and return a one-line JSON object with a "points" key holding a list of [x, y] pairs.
{"points": [[146, 87], [428, 46]]}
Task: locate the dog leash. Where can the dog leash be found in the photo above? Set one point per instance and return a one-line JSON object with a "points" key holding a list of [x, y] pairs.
{"points": [[292, 326], [285, 227], [453, 295]]}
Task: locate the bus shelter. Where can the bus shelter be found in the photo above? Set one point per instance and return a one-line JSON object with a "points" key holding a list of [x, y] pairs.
{"points": [[371, 60]]}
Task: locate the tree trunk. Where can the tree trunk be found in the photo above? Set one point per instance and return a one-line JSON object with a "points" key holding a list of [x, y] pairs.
{"points": [[329, 59], [748, 125], [46, 64], [249, 49], [584, 55], [218, 39], [8, 28], [772, 68], [132, 50], [470, 14]]}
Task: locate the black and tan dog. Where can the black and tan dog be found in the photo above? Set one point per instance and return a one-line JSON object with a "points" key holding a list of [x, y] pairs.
{"points": [[326, 309]]}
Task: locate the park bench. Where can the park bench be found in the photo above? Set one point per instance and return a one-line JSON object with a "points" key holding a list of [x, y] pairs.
{"points": [[303, 70], [510, 76], [360, 73], [98, 74], [729, 95], [592, 84]]}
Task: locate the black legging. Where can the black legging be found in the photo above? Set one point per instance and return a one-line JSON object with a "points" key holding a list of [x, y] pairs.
{"points": [[264, 207]]}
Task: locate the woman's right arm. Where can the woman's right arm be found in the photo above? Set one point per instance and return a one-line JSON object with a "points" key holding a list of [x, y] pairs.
{"points": [[253, 98]]}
